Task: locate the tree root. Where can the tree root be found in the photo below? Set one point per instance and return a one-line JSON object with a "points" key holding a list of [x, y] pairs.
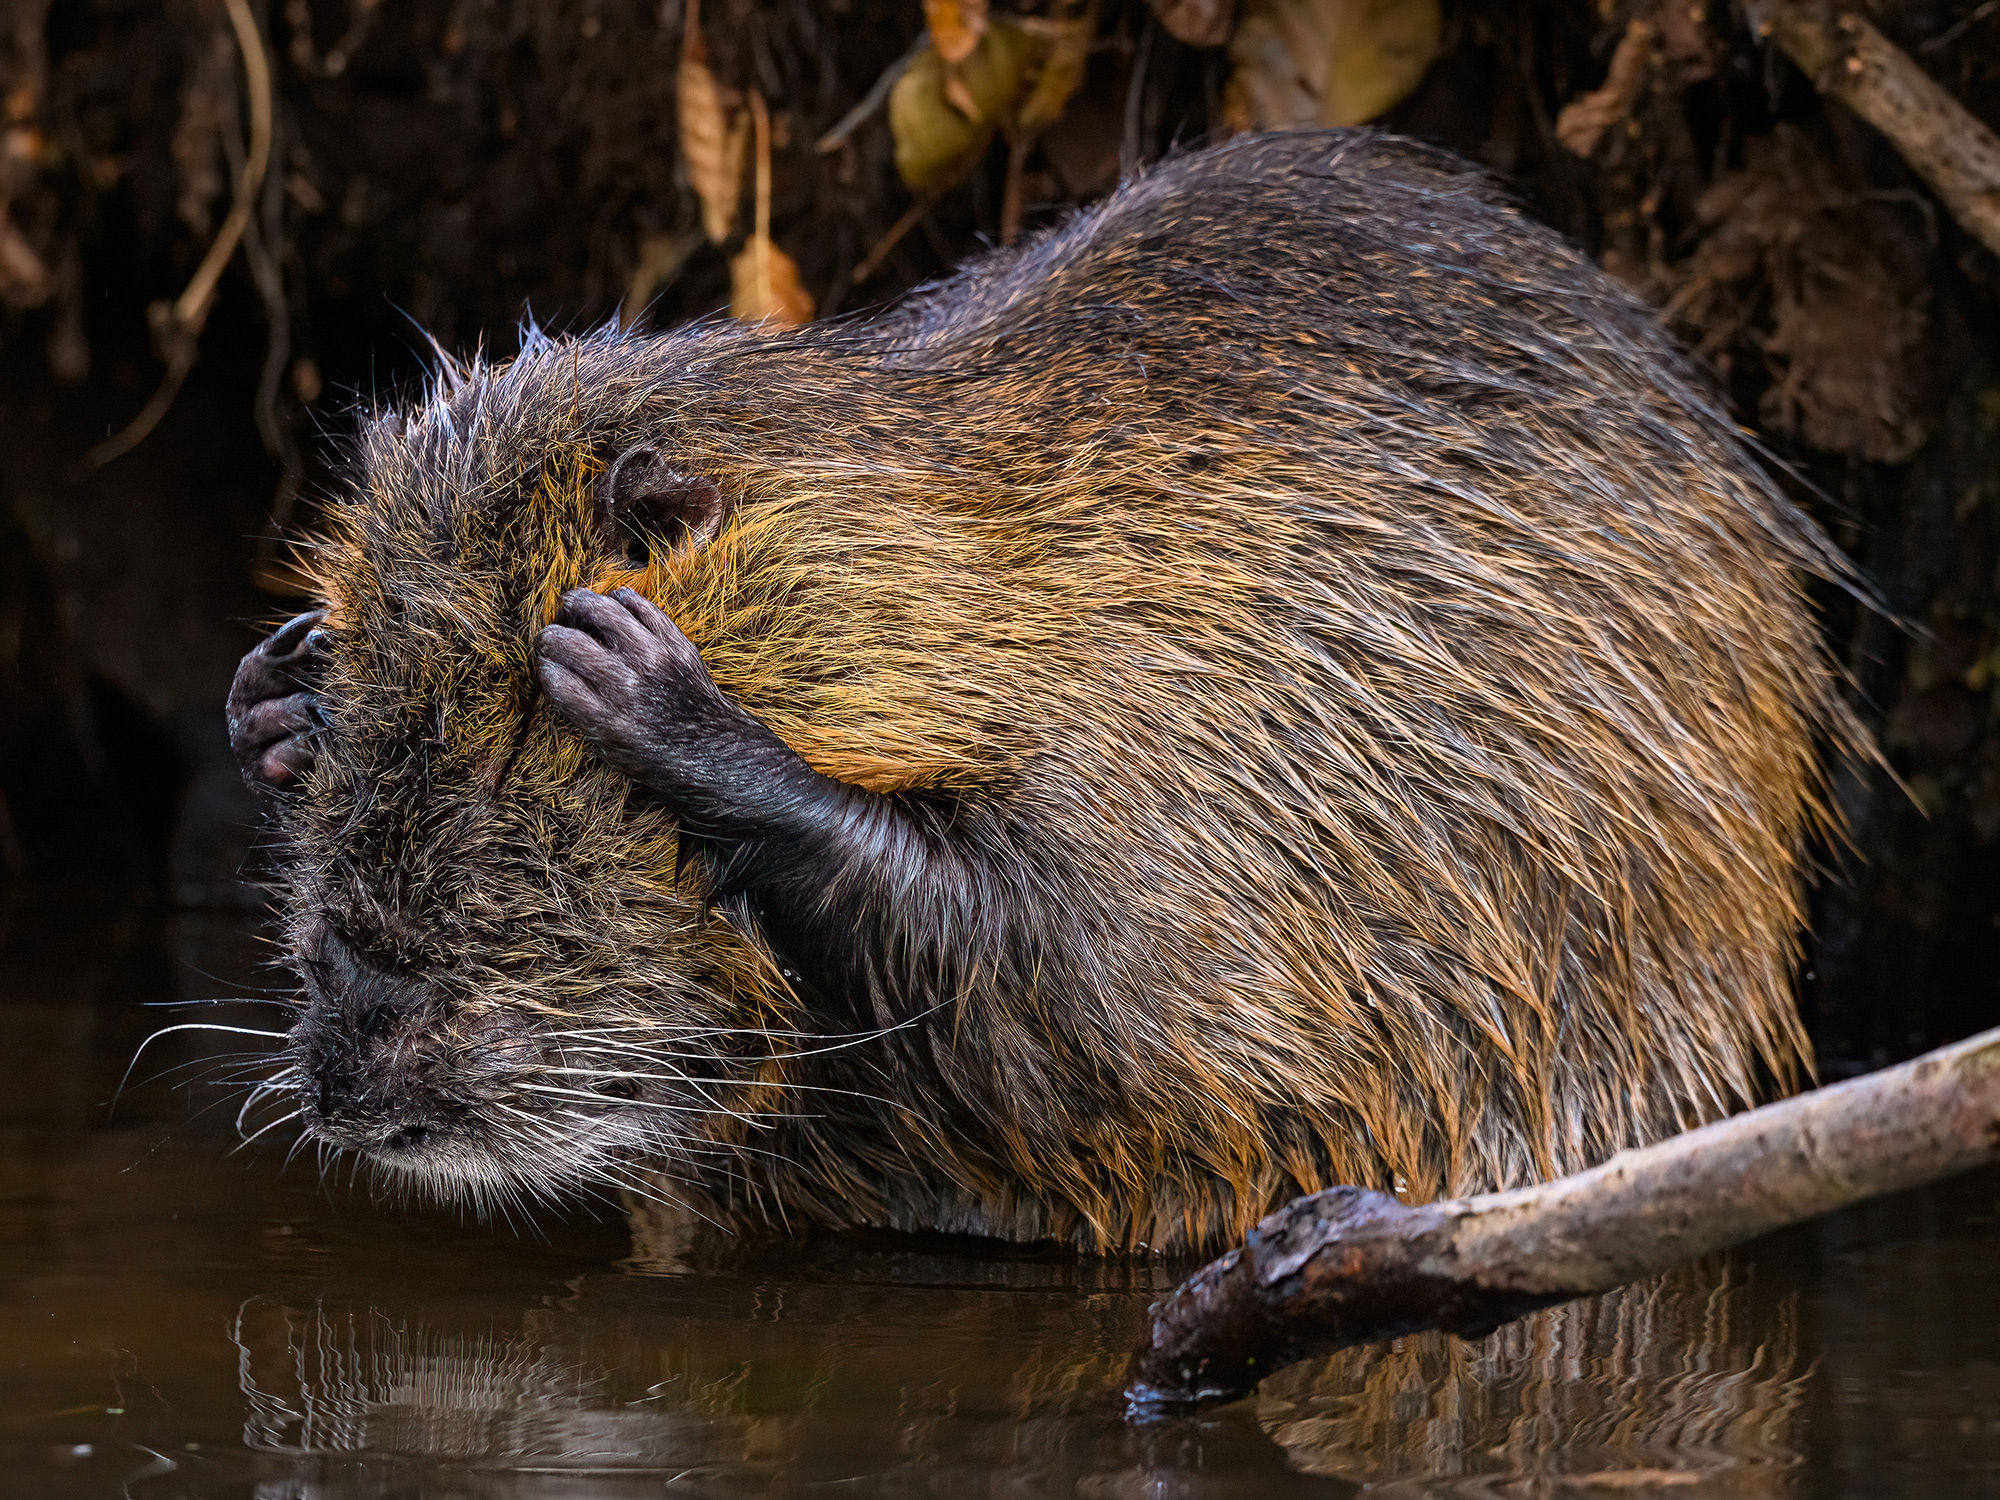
{"points": [[177, 326]]}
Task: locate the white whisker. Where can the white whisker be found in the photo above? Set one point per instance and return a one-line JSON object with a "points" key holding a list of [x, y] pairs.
{"points": [[265, 1130]]}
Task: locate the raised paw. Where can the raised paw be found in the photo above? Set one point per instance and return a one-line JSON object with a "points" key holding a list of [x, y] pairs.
{"points": [[622, 673], [619, 670], [273, 706]]}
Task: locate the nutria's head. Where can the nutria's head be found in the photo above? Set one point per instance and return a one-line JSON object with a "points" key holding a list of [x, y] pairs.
{"points": [[507, 983]]}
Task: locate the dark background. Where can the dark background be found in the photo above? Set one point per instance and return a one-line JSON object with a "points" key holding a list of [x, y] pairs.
{"points": [[442, 166]]}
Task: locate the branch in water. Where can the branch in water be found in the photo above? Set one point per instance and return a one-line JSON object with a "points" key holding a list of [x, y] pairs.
{"points": [[1350, 1266]]}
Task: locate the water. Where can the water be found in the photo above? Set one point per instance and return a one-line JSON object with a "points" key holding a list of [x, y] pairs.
{"points": [[177, 1321]]}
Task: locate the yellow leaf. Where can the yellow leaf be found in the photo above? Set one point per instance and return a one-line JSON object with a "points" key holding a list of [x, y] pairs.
{"points": [[935, 141], [1328, 62], [714, 131], [764, 286], [955, 26], [1379, 56], [1068, 51]]}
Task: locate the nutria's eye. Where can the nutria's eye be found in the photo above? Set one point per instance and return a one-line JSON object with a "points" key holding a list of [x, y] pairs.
{"points": [[644, 504]]}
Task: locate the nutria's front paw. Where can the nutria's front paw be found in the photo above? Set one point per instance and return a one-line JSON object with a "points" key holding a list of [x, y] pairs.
{"points": [[273, 710], [619, 670]]}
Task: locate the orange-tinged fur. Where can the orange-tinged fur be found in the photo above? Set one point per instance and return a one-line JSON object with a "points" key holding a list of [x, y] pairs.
{"points": [[1404, 674]]}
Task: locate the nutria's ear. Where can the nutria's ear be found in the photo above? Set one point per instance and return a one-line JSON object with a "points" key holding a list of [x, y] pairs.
{"points": [[645, 505]]}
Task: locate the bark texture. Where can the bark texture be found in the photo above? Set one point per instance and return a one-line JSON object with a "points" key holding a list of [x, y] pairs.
{"points": [[1349, 1266], [1851, 61]]}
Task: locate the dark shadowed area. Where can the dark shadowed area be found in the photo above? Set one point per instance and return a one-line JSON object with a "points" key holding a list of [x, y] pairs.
{"points": [[179, 1317]]}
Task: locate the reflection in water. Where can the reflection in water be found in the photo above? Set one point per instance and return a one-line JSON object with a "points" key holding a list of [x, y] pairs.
{"points": [[180, 1324], [366, 1384], [951, 1375], [1680, 1381], [1686, 1381]]}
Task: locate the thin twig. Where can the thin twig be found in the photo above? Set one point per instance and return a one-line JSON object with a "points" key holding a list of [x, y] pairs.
{"points": [[873, 100], [1010, 197], [177, 327], [262, 240], [760, 241], [1135, 93], [192, 308], [1959, 28], [872, 261]]}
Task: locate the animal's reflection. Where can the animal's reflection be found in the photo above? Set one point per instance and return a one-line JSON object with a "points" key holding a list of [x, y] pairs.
{"points": [[1689, 1380], [365, 1382], [963, 1380]]}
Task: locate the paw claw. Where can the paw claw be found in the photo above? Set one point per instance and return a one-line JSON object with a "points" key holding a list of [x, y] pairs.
{"points": [[297, 632]]}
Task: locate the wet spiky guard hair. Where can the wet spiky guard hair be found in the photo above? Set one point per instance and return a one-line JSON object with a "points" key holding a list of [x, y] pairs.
{"points": [[1286, 679]]}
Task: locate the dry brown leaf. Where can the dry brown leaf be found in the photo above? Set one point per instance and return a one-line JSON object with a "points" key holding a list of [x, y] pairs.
{"points": [[1067, 54], [764, 286], [1199, 23], [1583, 120], [955, 27], [936, 140], [1327, 62], [714, 131]]}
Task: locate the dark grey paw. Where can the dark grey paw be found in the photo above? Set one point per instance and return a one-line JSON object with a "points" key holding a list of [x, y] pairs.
{"points": [[622, 673], [273, 706], [619, 670]]}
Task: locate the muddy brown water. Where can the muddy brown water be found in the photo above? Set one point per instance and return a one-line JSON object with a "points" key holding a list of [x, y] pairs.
{"points": [[178, 1319]]}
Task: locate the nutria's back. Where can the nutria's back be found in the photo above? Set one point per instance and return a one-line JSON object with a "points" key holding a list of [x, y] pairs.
{"points": [[1318, 691]]}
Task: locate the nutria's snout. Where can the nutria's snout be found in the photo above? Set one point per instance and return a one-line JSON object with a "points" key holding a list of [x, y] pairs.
{"points": [[391, 1064], [464, 1098]]}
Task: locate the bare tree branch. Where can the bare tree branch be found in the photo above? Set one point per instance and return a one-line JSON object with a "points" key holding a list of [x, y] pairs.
{"points": [[177, 325], [1848, 59], [1350, 1266]]}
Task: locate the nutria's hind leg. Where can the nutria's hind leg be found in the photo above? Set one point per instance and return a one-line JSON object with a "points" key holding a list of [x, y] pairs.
{"points": [[273, 708]]}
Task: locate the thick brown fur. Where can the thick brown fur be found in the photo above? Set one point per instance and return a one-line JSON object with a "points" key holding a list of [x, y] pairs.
{"points": [[1366, 656]]}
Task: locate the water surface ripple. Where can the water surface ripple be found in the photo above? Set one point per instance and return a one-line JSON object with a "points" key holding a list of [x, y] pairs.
{"points": [[180, 1321]]}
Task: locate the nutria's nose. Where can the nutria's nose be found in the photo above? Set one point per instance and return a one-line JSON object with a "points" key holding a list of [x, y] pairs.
{"points": [[375, 1050], [408, 1138]]}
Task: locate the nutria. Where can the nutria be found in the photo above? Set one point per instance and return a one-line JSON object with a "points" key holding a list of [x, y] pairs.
{"points": [[1286, 679]]}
